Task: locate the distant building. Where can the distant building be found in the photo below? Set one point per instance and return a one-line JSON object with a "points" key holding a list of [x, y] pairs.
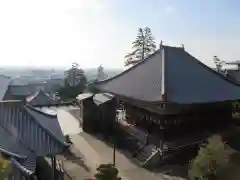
{"points": [[234, 74], [21, 91]]}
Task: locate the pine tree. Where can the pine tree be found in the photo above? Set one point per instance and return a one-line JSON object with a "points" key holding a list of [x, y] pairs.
{"points": [[74, 75], [74, 83], [218, 63], [143, 46]]}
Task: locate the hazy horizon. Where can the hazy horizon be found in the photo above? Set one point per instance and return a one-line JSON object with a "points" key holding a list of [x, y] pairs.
{"points": [[55, 33]]}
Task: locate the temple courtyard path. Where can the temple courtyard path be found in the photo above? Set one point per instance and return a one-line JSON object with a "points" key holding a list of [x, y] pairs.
{"points": [[69, 124], [92, 152], [96, 152]]}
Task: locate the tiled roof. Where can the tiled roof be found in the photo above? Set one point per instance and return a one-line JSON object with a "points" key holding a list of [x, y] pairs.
{"points": [[40, 98], [174, 75], [11, 145], [47, 121], [26, 134], [142, 81], [22, 90]]}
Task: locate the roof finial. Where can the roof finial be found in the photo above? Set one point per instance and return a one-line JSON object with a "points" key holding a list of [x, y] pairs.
{"points": [[183, 46], [160, 45]]}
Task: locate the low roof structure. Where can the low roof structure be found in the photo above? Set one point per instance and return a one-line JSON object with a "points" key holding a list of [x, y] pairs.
{"points": [[40, 98], [171, 75], [102, 98], [237, 62], [26, 133], [83, 96]]}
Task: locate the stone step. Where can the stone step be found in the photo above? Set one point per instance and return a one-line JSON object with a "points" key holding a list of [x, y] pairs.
{"points": [[145, 153]]}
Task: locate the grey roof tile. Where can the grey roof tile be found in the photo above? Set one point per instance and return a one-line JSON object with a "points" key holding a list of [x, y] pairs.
{"points": [[184, 79], [23, 90], [11, 145], [191, 81], [142, 81], [33, 130], [40, 98], [47, 121], [26, 134]]}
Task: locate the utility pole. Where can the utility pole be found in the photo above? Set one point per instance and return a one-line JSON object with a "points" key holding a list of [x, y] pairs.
{"points": [[114, 152], [114, 132]]}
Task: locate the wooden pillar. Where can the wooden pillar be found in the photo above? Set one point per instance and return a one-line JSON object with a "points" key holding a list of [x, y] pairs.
{"points": [[55, 170], [53, 159]]}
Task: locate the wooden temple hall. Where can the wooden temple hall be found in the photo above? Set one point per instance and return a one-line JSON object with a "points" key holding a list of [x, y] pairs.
{"points": [[166, 105]]}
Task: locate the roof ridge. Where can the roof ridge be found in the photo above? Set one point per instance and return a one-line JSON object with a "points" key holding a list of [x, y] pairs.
{"points": [[11, 101], [5, 76]]}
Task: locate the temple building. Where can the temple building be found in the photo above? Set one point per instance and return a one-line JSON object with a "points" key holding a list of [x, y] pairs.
{"points": [[170, 102]]}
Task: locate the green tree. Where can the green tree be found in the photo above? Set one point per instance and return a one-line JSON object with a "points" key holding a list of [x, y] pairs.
{"points": [[74, 75], [211, 159], [107, 172], [143, 46], [74, 83]]}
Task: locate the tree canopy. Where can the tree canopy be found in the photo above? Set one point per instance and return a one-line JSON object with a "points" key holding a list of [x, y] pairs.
{"points": [[219, 64], [143, 46], [107, 172], [212, 158], [74, 83]]}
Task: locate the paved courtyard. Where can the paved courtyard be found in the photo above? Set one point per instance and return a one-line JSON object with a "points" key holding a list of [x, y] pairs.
{"points": [[92, 152]]}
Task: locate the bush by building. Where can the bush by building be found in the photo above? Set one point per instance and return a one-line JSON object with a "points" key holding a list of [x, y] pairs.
{"points": [[212, 158]]}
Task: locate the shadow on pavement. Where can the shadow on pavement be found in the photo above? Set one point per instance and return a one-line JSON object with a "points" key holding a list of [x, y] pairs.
{"points": [[74, 158]]}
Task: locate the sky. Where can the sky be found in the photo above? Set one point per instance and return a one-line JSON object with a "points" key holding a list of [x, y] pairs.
{"points": [[55, 33]]}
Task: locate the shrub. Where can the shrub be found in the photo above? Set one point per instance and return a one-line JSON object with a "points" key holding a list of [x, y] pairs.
{"points": [[107, 172], [212, 158], [5, 166]]}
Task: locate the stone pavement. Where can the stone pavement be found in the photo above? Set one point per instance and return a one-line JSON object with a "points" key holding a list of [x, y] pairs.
{"points": [[96, 152], [68, 123]]}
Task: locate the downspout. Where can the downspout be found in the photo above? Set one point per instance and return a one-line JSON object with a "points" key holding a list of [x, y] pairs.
{"points": [[163, 93], [164, 78]]}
